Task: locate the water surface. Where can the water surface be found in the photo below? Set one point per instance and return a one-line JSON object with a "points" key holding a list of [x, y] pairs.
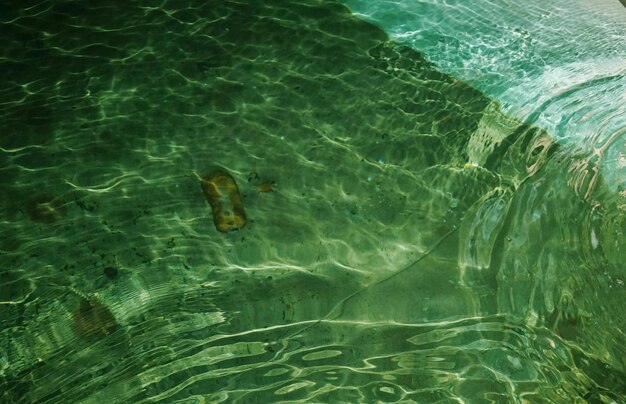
{"points": [[418, 244]]}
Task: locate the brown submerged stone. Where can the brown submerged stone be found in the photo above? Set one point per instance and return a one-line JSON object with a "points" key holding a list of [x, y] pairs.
{"points": [[93, 319], [267, 186], [220, 190]]}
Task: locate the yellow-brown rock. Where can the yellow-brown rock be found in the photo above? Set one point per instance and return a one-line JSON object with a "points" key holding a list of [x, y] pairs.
{"points": [[267, 186], [220, 190]]}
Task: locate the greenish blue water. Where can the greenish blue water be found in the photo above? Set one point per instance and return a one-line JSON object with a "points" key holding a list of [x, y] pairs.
{"points": [[423, 241], [560, 65]]}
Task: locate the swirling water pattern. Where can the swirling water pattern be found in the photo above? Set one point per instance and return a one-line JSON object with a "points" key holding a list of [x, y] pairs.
{"points": [[419, 245], [560, 65]]}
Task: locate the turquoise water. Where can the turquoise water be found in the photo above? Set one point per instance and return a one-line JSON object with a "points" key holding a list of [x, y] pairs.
{"points": [[413, 234], [560, 65]]}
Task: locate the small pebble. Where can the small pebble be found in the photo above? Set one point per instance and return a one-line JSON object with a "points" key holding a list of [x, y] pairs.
{"points": [[110, 272], [267, 186]]}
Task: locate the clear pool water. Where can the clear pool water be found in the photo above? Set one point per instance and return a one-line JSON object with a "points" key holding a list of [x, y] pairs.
{"points": [[560, 65], [424, 224]]}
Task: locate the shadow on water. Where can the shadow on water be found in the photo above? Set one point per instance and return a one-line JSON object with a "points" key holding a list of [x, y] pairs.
{"points": [[415, 242]]}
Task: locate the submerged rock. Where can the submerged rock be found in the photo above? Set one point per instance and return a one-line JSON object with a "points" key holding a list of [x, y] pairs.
{"points": [[110, 272], [91, 318], [267, 186], [220, 190]]}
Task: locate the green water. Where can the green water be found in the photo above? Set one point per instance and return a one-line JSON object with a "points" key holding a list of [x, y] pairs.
{"points": [[418, 244]]}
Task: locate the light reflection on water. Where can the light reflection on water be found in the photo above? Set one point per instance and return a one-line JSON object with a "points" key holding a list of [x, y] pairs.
{"points": [[560, 65], [418, 244]]}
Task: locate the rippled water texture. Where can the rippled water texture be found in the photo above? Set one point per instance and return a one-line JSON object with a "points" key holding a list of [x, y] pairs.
{"points": [[405, 238], [559, 64]]}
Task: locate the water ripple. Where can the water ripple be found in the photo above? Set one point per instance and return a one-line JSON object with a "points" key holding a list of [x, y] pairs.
{"points": [[410, 245]]}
